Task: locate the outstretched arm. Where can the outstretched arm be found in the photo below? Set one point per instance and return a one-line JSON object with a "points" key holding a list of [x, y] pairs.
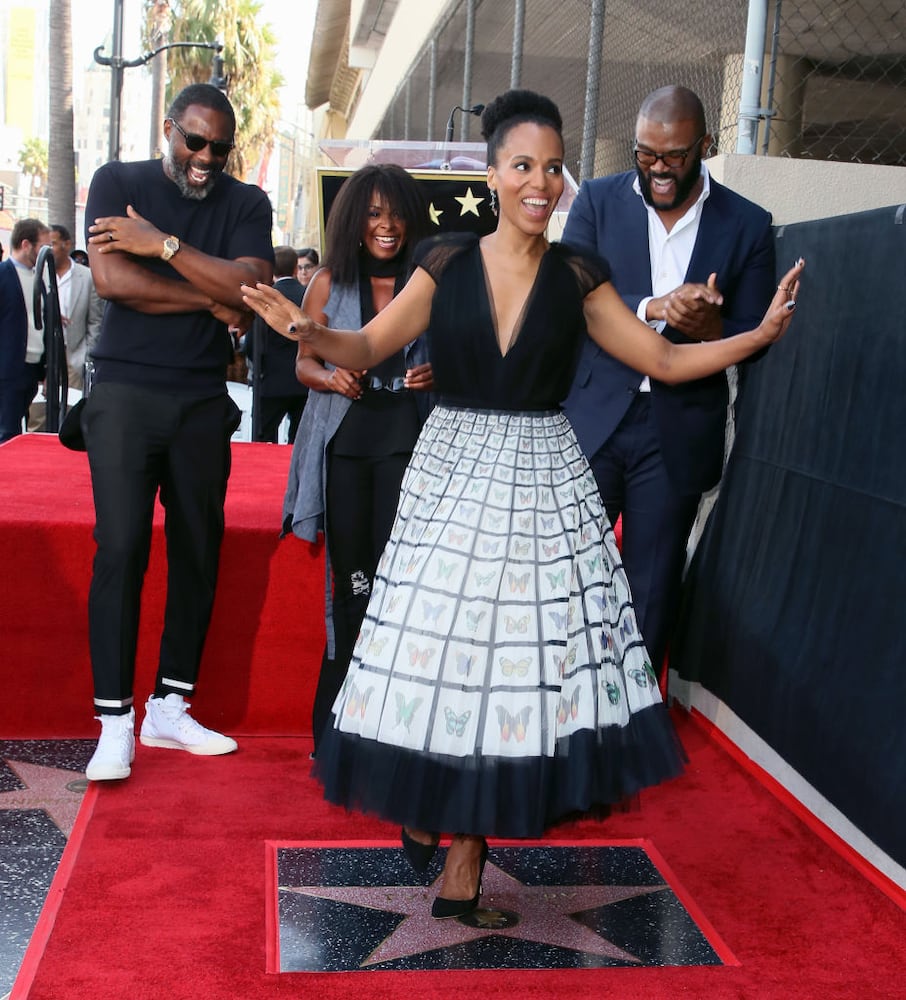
{"points": [[405, 318], [616, 330]]}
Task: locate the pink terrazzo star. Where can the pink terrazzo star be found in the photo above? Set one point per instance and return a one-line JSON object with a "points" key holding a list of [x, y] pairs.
{"points": [[545, 914]]}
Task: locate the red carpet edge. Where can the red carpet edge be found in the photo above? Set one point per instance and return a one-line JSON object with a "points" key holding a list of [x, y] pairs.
{"points": [[802, 812], [48, 915]]}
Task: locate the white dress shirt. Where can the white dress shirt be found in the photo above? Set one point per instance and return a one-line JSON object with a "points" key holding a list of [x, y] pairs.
{"points": [[670, 253]]}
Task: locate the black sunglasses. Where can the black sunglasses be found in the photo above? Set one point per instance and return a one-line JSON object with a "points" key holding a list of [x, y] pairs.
{"points": [[672, 158], [196, 143]]}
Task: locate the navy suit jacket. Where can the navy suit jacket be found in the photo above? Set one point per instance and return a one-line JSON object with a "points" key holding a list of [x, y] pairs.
{"points": [[734, 240], [278, 354], [13, 322]]}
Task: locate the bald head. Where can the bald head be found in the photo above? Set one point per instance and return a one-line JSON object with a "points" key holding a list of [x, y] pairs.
{"points": [[670, 141], [672, 104]]}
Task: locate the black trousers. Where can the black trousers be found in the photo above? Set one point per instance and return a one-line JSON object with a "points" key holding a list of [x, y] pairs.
{"points": [[656, 522], [273, 410], [16, 394], [362, 497], [140, 441]]}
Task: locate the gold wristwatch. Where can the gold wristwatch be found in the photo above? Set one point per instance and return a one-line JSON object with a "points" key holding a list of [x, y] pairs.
{"points": [[171, 246]]}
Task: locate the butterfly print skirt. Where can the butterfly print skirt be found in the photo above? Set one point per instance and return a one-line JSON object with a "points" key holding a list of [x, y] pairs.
{"points": [[499, 668]]}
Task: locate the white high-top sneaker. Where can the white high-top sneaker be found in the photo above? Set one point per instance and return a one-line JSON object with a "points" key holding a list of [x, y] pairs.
{"points": [[115, 750], [167, 723]]}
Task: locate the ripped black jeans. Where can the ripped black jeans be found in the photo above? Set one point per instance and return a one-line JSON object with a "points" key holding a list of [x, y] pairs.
{"points": [[362, 497]]}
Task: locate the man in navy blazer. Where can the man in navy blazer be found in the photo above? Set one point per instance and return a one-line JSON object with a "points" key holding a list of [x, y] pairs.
{"points": [[18, 378], [278, 392], [670, 233]]}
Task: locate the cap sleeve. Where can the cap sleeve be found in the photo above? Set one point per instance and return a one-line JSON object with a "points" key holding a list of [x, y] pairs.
{"points": [[434, 253], [589, 269]]}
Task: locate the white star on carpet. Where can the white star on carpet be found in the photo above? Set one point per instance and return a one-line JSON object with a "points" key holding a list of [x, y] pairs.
{"points": [[545, 914], [468, 203], [45, 788], [435, 213]]}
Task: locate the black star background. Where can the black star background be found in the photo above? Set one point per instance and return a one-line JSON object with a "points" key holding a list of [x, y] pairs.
{"points": [[441, 189]]}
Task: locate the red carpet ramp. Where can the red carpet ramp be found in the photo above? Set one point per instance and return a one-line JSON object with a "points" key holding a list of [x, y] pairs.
{"points": [[264, 648]]}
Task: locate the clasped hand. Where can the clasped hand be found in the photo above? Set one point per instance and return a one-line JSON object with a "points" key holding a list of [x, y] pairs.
{"points": [[693, 309], [129, 233]]}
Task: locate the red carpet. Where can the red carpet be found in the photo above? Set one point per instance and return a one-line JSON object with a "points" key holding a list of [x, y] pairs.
{"points": [[166, 894], [264, 647], [162, 891]]}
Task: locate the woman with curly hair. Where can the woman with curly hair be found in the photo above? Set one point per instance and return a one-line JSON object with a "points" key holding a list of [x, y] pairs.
{"points": [[359, 425]]}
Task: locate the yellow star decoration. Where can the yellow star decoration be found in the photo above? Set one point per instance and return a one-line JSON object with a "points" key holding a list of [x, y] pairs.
{"points": [[469, 203], [435, 213]]}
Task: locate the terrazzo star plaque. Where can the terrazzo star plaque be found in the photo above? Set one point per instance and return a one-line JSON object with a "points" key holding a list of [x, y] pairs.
{"points": [[346, 908]]}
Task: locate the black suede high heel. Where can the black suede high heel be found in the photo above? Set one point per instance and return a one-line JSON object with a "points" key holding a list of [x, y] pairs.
{"points": [[442, 908], [419, 855]]}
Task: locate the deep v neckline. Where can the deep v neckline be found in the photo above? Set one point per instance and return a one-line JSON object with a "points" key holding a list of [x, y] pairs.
{"points": [[518, 325]]}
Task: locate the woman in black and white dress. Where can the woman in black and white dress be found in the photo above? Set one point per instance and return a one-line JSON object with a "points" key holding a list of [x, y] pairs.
{"points": [[499, 682]]}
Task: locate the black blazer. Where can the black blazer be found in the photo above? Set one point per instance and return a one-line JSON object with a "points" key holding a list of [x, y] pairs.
{"points": [[278, 355], [13, 322]]}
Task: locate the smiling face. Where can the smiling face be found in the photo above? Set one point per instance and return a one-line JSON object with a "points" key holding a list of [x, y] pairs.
{"points": [[195, 174], [384, 231], [667, 188], [528, 176]]}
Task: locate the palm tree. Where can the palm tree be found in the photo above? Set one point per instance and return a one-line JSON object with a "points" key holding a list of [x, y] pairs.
{"points": [[33, 162], [60, 159], [248, 54], [157, 33]]}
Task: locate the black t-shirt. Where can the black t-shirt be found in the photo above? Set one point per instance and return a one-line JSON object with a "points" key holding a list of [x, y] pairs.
{"points": [[183, 352]]}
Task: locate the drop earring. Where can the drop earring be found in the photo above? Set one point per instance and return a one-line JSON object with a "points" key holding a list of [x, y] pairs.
{"points": [[494, 200]]}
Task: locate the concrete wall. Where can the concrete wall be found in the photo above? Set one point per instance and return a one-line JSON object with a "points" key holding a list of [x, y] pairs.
{"points": [[411, 27], [802, 190]]}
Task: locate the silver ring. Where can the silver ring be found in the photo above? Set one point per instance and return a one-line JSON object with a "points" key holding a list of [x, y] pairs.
{"points": [[110, 237]]}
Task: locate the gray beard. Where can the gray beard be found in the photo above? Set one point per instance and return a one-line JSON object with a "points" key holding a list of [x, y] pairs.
{"points": [[177, 173]]}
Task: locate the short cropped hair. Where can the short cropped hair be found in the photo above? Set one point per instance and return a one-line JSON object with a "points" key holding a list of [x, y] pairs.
{"points": [[205, 95], [27, 229]]}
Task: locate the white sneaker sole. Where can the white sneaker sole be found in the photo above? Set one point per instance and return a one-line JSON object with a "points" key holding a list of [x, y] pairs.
{"points": [[201, 750], [106, 773]]}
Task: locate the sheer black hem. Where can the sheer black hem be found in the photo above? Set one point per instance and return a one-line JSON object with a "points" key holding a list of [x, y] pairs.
{"points": [[500, 797]]}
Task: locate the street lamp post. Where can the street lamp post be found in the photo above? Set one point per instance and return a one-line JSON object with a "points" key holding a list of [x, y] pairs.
{"points": [[118, 64]]}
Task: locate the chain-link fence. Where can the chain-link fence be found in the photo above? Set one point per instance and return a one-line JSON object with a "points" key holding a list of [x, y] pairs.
{"points": [[833, 87]]}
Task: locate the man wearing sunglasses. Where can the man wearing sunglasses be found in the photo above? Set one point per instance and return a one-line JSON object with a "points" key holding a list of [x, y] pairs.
{"points": [[171, 242], [696, 262]]}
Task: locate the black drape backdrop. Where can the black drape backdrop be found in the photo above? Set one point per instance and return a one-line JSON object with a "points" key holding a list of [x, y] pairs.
{"points": [[795, 603]]}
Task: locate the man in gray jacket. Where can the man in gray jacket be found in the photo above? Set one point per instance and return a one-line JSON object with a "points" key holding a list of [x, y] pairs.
{"points": [[80, 305]]}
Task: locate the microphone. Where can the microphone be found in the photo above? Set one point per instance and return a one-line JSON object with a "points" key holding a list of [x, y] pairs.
{"points": [[476, 109]]}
